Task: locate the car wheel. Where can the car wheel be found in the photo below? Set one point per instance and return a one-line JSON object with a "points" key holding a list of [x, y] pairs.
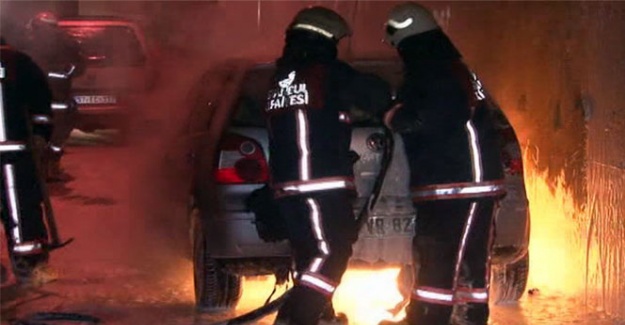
{"points": [[508, 281], [216, 290]]}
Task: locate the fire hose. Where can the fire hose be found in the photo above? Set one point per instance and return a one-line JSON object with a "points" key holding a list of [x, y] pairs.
{"points": [[387, 156]]}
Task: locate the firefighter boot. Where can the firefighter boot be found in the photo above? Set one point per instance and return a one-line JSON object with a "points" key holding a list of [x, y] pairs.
{"points": [[470, 314], [330, 317], [422, 313], [326, 319], [33, 269], [336, 321], [304, 306]]}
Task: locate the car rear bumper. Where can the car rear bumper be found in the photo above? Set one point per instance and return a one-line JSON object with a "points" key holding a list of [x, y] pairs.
{"points": [[235, 236], [101, 117]]}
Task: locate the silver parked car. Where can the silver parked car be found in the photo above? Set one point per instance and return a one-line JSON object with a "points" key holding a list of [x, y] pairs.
{"points": [[119, 70], [227, 145]]}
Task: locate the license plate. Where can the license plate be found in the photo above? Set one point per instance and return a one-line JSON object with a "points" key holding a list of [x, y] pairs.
{"points": [[388, 227], [96, 99]]}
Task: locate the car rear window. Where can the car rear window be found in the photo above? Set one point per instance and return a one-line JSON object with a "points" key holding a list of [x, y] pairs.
{"points": [[109, 45], [257, 81]]}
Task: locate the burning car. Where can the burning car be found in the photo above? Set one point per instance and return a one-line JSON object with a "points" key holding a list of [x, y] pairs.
{"points": [[118, 69], [226, 143]]}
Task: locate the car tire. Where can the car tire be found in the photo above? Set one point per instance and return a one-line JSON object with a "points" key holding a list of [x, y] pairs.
{"points": [[216, 290], [508, 281]]}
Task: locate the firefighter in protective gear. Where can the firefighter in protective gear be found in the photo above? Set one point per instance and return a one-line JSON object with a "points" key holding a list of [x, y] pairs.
{"points": [[60, 57], [307, 112], [25, 114], [456, 171]]}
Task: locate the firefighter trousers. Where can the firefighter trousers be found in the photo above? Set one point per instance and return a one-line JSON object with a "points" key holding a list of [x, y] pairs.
{"points": [[22, 208], [321, 230], [452, 246]]}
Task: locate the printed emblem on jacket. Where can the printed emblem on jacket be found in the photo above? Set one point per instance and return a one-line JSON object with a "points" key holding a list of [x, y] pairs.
{"points": [[290, 93]]}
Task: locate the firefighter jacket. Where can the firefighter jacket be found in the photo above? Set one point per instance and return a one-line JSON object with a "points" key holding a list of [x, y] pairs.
{"points": [[449, 134], [26, 99], [307, 111]]}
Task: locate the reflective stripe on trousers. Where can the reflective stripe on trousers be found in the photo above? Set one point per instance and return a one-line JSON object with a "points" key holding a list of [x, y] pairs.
{"points": [[450, 297], [311, 278], [41, 119], [459, 292], [28, 248], [318, 283], [12, 202]]}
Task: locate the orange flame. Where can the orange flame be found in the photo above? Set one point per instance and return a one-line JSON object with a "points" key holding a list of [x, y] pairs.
{"points": [[365, 296], [557, 253]]}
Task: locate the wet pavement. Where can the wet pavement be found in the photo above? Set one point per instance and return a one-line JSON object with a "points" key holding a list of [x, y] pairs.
{"points": [[127, 266]]}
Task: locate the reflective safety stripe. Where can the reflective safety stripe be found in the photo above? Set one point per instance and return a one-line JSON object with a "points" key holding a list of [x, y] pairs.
{"points": [[303, 144], [314, 29], [55, 148], [13, 203], [458, 191], [59, 106], [475, 295], [344, 117], [41, 119], [433, 295], [322, 244], [57, 75], [462, 247], [3, 131], [400, 24], [448, 297], [476, 156], [8, 146], [318, 283], [28, 247], [321, 184]]}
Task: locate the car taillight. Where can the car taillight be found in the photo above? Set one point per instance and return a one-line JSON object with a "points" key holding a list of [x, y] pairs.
{"points": [[241, 161]]}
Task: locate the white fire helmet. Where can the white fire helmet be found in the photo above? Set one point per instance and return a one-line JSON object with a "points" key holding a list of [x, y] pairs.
{"points": [[408, 19], [322, 21]]}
